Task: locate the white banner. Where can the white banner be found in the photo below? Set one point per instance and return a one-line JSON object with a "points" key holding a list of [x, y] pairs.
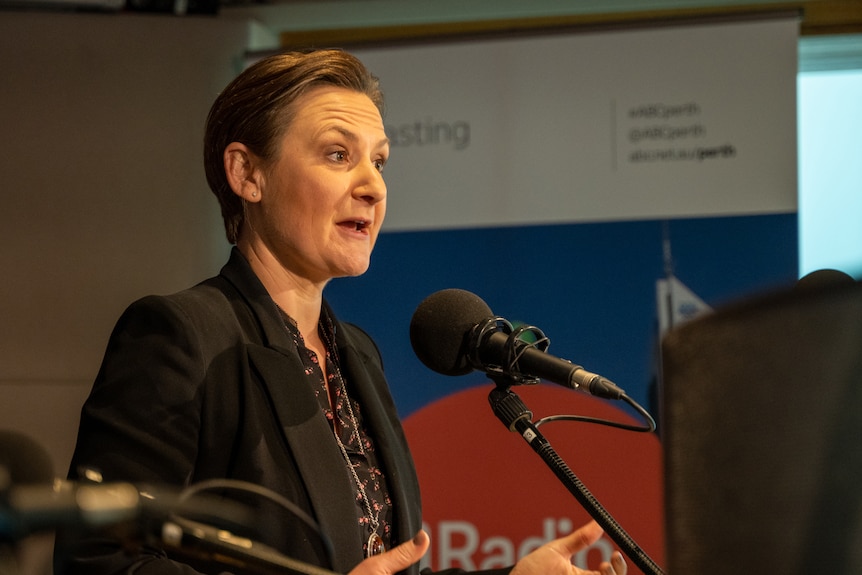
{"points": [[646, 123]]}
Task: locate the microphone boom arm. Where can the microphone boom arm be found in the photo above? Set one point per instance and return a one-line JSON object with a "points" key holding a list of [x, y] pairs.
{"points": [[515, 415]]}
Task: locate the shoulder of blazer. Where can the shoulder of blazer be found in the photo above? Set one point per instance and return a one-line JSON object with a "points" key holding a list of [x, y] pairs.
{"points": [[232, 305], [209, 308]]}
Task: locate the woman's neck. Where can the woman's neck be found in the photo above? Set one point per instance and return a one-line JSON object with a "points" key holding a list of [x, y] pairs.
{"points": [[298, 297]]}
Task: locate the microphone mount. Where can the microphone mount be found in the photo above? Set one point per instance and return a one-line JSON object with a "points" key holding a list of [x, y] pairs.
{"points": [[517, 342]]}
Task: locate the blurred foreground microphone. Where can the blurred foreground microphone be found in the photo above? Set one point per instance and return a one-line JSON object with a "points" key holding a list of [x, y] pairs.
{"points": [[192, 525], [453, 332], [29, 508], [33, 500]]}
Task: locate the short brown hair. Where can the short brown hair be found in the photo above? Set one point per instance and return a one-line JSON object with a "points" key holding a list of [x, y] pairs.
{"points": [[256, 108]]}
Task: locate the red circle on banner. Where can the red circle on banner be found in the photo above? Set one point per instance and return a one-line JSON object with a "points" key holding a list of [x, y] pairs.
{"points": [[488, 498]]}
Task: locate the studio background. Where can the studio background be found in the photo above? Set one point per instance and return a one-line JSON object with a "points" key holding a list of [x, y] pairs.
{"points": [[106, 202]]}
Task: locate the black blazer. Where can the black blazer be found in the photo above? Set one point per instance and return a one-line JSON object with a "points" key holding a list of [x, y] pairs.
{"points": [[207, 383]]}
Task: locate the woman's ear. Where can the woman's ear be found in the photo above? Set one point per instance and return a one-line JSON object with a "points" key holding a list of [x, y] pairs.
{"points": [[242, 171]]}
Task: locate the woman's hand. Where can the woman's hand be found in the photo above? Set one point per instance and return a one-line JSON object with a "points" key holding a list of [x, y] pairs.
{"points": [[555, 557], [552, 558], [396, 559]]}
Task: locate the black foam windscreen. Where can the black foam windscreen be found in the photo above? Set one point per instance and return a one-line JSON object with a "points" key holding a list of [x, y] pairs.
{"points": [[24, 459], [762, 431], [441, 326]]}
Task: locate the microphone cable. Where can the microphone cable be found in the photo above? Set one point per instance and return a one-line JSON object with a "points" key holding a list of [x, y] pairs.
{"points": [[259, 490], [648, 428]]}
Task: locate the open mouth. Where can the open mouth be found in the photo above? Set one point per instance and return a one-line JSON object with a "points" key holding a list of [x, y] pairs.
{"points": [[357, 225]]}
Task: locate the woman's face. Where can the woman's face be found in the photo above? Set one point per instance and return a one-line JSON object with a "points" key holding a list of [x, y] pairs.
{"points": [[323, 198]]}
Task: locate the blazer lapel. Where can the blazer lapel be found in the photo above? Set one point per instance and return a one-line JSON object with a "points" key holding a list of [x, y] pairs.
{"points": [[320, 462], [306, 430]]}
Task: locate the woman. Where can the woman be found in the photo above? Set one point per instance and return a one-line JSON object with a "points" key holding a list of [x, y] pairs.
{"points": [[249, 375]]}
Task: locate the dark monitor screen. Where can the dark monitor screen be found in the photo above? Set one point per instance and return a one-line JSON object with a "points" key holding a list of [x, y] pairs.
{"points": [[761, 422]]}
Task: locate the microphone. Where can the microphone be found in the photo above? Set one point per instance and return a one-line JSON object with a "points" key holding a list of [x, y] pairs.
{"points": [[453, 332], [33, 500], [188, 521], [30, 508]]}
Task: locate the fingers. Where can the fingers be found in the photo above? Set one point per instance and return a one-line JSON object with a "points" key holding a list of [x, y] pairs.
{"points": [[582, 538], [396, 559], [555, 557], [617, 565], [586, 536], [412, 551]]}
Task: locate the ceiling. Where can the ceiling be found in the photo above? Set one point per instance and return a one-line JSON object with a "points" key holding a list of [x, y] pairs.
{"points": [[354, 21], [831, 30]]}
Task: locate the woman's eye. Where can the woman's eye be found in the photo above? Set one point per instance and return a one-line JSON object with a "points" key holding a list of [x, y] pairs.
{"points": [[379, 164], [338, 156]]}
